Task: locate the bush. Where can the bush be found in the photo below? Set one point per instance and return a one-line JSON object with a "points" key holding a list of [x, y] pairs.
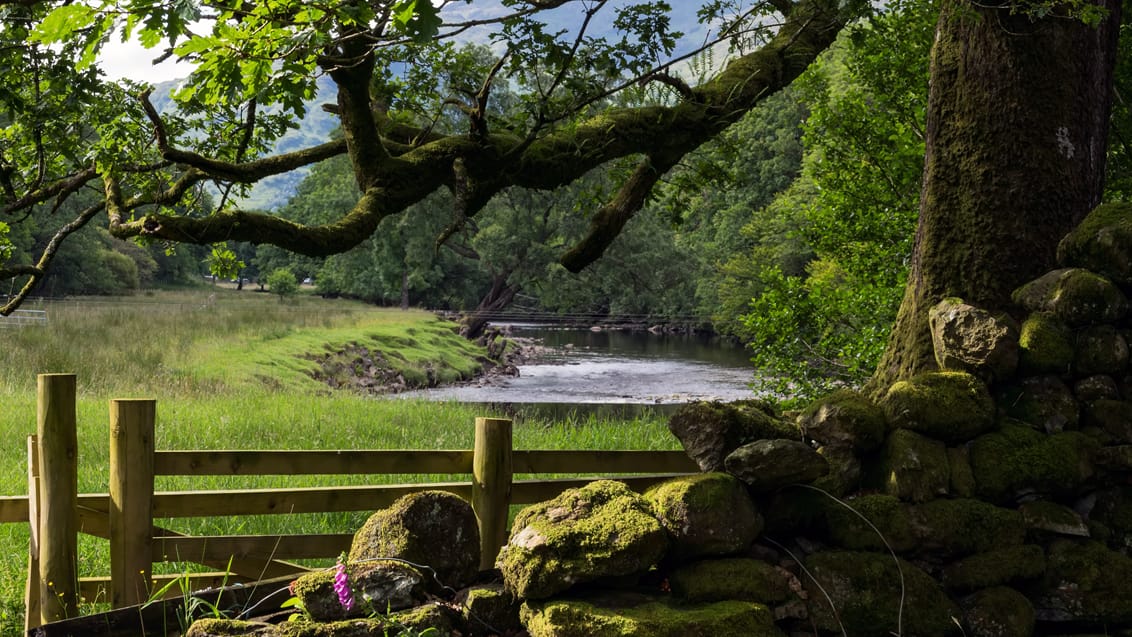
{"points": [[282, 282]]}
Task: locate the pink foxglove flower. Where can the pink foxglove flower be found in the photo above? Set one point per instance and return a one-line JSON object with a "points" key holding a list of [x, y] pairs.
{"points": [[342, 587]]}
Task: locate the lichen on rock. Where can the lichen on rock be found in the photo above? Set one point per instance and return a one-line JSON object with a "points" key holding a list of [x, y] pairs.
{"points": [[970, 339], [1078, 297], [948, 406], [705, 514]]}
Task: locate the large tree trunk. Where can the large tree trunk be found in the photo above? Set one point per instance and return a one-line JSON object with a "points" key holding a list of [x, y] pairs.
{"points": [[497, 298], [1016, 135]]}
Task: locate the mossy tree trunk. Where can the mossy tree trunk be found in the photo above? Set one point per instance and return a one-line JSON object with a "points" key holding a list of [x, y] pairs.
{"points": [[1017, 125]]}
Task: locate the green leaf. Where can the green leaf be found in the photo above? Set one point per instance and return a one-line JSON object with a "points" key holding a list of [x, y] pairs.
{"points": [[63, 22]]}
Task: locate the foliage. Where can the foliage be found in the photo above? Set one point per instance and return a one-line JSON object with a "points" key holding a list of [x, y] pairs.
{"points": [[283, 283]]}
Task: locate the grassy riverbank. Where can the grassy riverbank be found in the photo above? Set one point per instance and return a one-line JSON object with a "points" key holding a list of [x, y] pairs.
{"points": [[229, 372]]}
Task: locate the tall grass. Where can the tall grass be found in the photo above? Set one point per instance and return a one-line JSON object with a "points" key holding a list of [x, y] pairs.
{"points": [[229, 372]]}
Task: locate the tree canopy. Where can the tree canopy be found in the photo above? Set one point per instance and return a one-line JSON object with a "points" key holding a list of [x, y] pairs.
{"points": [[68, 130]]}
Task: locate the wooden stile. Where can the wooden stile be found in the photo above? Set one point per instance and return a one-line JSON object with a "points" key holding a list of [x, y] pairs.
{"points": [[491, 485], [131, 500], [57, 430]]}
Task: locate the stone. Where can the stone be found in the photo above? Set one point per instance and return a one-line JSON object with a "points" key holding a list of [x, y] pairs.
{"points": [[743, 579], [1097, 387], [1085, 582], [1115, 459], [1113, 416], [845, 470], [1045, 345], [962, 483], [996, 567], [597, 531], [705, 514], [1100, 350], [435, 618], [970, 339], [216, 627], [709, 431], [1102, 242], [621, 614], [1078, 297], [914, 467], [766, 465], [1043, 517], [948, 406], [1043, 402], [844, 418], [432, 528], [489, 610], [865, 589], [997, 612], [1015, 460], [377, 586]]}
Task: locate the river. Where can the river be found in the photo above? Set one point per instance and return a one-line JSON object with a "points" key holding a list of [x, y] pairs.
{"points": [[615, 367]]}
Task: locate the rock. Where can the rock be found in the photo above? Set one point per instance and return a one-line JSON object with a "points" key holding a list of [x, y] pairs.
{"points": [[948, 406], [600, 530], [866, 593], [1113, 416], [1114, 459], [1100, 350], [489, 610], [215, 627], [1043, 517], [1045, 345], [705, 514], [1016, 459], [1078, 297], [844, 418], [970, 339], [377, 586], [629, 615], [711, 430], [433, 528], [914, 467], [962, 482], [996, 567], [1044, 402], [997, 612], [1102, 242], [1085, 582], [844, 474], [742, 579], [429, 619], [766, 465], [1096, 387]]}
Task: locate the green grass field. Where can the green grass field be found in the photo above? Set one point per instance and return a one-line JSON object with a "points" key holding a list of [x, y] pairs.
{"points": [[228, 371]]}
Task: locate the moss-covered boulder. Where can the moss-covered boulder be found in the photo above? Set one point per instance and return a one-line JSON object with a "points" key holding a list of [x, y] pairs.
{"points": [[396, 625], [969, 339], [631, 615], [948, 406], [914, 467], [962, 482], [433, 528], [1100, 350], [996, 567], [766, 465], [489, 609], [709, 431], [600, 530], [1016, 460], [376, 586], [844, 418], [1078, 297], [1045, 345], [942, 529], [1098, 387], [1085, 582], [1102, 242], [705, 514], [216, 627], [998, 612], [845, 470], [865, 589], [1044, 519], [1043, 402], [1114, 417], [735, 578]]}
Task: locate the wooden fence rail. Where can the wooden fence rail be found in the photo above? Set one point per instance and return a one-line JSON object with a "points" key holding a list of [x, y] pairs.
{"points": [[125, 516]]}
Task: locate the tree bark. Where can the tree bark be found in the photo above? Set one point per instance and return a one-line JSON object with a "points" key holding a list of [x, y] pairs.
{"points": [[498, 297], [1017, 125]]}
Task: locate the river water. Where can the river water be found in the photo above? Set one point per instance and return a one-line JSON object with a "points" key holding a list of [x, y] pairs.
{"points": [[618, 367]]}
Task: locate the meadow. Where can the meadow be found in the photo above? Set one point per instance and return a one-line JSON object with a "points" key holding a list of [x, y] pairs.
{"points": [[232, 370]]}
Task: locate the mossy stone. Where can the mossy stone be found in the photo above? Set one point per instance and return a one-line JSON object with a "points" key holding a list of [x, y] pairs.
{"points": [[597, 531], [1112, 416], [1016, 460], [1045, 345], [377, 585], [1100, 350], [962, 478], [1099, 592], [948, 406], [1078, 297], [622, 615], [844, 418], [914, 467], [490, 610], [1044, 402], [709, 431], [215, 627], [705, 514], [995, 567], [442, 619], [1044, 518], [970, 339], [766, 465], [998, 612], [845, 470], [1098, 387], [1102, 242], [737, 578], [865, 589]]}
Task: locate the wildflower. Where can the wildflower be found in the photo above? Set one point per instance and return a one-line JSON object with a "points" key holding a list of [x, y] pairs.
{"points": [[342, 586]]}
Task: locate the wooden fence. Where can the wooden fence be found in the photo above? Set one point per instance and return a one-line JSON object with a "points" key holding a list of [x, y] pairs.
{"points": [[56, 511], [24, 318]]}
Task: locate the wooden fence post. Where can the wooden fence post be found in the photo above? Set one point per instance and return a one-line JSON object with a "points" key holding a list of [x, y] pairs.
{"points": [[57, 430], [491, 485], [131, 500], [32, 618]]}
